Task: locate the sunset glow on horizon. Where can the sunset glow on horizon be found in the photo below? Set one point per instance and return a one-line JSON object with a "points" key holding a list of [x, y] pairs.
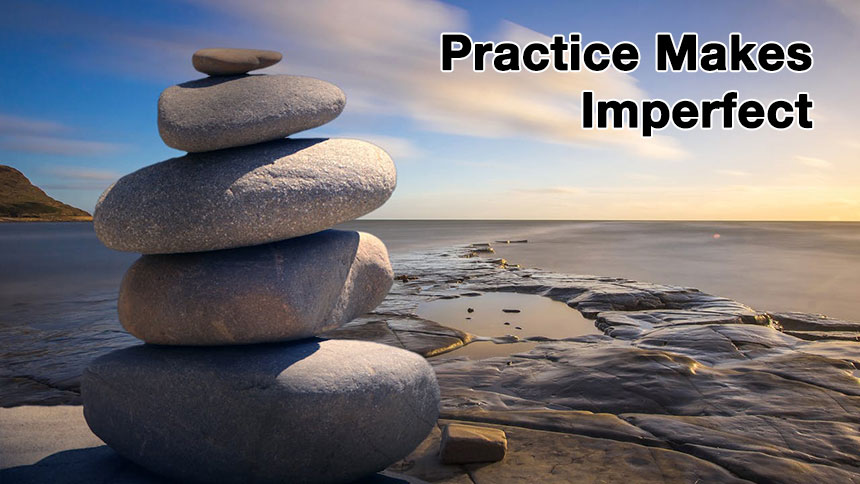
{"points": [[83, 81]]}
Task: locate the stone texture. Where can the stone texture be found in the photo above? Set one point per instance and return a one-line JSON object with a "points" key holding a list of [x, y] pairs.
{"points": [[816, 326], [224, 112], [312, 411], [244, 196], [227, 62], [555, 457], [467, 444], [282, 291]]}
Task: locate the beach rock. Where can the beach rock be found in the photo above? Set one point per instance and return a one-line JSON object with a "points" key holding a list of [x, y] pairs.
{"points": [[244, 196], [312, 411], [466, 444], [224, 112], [227, 62], [540, 456], [286, 290]]}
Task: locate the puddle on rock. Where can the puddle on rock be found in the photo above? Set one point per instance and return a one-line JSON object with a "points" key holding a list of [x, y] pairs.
{"points": [[498, 314]]}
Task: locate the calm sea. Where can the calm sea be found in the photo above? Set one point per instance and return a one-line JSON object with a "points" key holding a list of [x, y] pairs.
{"points": [[797, 266]]}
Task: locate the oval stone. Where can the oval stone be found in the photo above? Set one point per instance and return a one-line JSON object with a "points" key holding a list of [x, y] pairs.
{"points": [[226, 62], [286, 290], [310, 411], [244, 196], [225, 112]]}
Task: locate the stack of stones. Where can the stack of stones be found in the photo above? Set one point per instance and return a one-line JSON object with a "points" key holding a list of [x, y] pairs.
{"points": [[239, 274]]}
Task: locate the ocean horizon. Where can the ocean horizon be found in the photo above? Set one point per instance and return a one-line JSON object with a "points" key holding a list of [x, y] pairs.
{"points": [[771, 266]]}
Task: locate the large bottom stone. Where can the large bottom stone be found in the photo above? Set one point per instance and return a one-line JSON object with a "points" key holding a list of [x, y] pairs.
{"points": [[312, 411], [283, 291]]}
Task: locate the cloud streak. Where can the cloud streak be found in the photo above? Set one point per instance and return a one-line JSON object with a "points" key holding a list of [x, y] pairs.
{"points": [[816, 163], [17, 125], [30, 135], [666, 202], [82, 173], [385, 55], [57, 146]]}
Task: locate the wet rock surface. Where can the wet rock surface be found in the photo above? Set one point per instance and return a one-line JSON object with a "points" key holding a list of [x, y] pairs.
{"points": [[681, 386]]}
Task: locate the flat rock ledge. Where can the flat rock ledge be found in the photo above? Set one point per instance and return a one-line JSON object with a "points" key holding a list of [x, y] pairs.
{"points": [[682, 386]]}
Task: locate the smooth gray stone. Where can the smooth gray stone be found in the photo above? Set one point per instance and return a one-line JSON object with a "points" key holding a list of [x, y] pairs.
{"points": [[227, 62], [286, 290], [311, 411], [224, 112], [244, 196]]}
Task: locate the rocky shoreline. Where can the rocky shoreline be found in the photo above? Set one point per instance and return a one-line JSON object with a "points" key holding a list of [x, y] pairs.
{"points": [[682, 385]]}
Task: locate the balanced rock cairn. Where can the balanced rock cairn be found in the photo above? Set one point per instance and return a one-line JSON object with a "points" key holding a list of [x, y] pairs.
{"points": [[237, 261]]}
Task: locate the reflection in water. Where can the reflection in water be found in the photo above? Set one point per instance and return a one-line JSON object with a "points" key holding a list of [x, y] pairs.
{"points": [[504, 314]]}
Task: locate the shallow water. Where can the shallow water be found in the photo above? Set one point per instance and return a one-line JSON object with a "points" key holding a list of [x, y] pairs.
{"points": [[536, 317], [771, 266]]}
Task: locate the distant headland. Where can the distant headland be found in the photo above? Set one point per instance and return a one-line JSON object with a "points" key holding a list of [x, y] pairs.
{"points": [[21, 201]]}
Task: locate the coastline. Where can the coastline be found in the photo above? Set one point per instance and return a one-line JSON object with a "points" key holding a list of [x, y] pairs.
{"points": [[44, 219], [680, 380]]}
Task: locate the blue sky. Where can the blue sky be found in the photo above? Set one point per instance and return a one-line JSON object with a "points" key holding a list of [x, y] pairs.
{"points": [[81, 81]]}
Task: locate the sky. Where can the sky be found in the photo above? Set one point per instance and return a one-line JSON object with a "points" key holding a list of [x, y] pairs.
{"points": [[81, 80]]}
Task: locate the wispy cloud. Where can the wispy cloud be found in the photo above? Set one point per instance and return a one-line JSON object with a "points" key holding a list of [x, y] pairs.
{"points": [[399, 148], [817, 163], [17, 125], [47, 137], [77, 178], [550, 191], [849, 8], [692, 202], [646, 177], [57, 146], [385, 55], [732, 173], [82, 173]]}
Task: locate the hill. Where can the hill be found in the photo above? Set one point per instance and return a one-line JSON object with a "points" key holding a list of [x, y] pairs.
{"points": [[21, 201]]}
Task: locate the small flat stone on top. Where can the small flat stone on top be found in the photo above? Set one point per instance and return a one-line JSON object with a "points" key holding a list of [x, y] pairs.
{"points": [[231, 62]]}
